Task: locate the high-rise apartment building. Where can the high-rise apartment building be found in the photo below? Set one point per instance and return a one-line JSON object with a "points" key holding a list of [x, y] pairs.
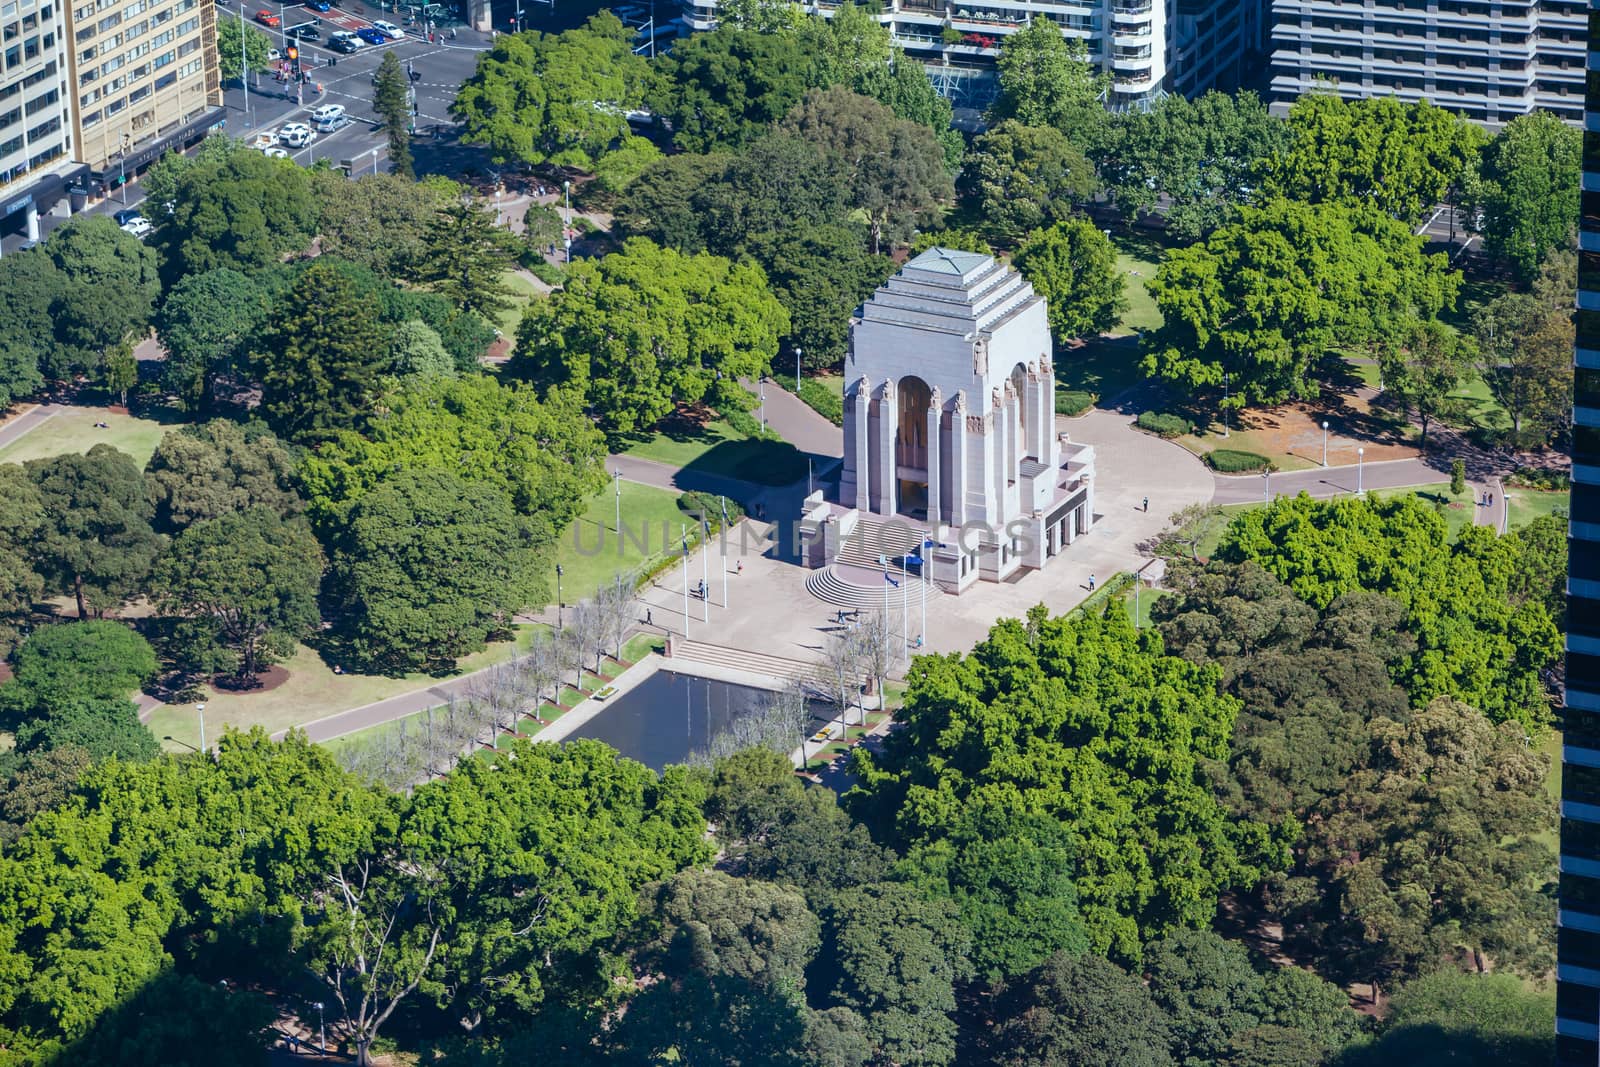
{"points": [[1578, 970], [36, 157], [1149, 47], [1490, 60], [145, 79]]}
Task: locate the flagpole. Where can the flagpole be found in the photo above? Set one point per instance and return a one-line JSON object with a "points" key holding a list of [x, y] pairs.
{"points": [[922, 634], [683, 533], [905, 619], [724, 550], [705, 584]]}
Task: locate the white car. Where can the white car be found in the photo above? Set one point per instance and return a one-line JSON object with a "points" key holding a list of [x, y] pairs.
{"points": [[326, 112], [275, 153], [263, 141], [138, 227], [389, 30], [334, 124], [296, 135]]}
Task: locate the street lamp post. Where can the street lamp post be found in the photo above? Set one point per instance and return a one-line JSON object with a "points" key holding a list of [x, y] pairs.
{"points": [[616, 481], [796, 370], [763, 405], [1324, 442], [1361, 454], [122, 162], [201, 708], [322, 1029], [566, 226], [244, 67], [558, 595], [1225, 404], [1266, 482]]}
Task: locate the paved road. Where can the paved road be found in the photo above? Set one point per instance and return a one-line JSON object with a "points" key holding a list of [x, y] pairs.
{"points": [[798, 423], [27, 421], [1325, 482]]}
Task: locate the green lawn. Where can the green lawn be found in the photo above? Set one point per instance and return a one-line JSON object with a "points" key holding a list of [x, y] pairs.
{"points": [[1104, 366], [74, 431], [1143, 603], [718, 448], [1479, 406], [1141, 314], [523, 293], [589, 553], [1528, 504], [311, 692]]}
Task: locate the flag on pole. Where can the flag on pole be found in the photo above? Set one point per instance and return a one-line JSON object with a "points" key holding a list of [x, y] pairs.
{"points": [[888, 579]]}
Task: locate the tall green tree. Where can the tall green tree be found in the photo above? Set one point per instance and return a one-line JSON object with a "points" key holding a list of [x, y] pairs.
{"points": [[1423, 367], [318, 356], [561, 98], [1266, 299], [1197, 161], [234, 207], [96, 542], [998, 728], [1023, 178], [204, 322], [94, 660], [1046, 79], [545, 456], [1080, 1011], [21, 520], [892, 168], [251, 578], [1074, 267], [1524, 351], [209, 470], [646, 328], [379, 220], [1528, 190], [240, 47], [820, 274], [427, 567], [108, 291], [417, 353], [391, 103], [465, 256], [724, 88], [1401, 158], [29, 284]]}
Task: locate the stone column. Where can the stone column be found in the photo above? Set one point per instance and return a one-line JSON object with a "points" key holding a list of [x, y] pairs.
{"points": [[1039, 415], [1000, 434], [856, 483], [959, 433], [888, 429], [1051, 456], [934, 406]]}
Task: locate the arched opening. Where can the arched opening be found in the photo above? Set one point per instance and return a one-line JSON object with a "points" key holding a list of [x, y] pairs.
{"points": [[911, 444]]}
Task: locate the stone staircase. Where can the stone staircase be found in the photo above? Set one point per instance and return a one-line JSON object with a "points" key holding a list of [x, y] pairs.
{"points": [[793, 670], [854, 579], [873, 538]]}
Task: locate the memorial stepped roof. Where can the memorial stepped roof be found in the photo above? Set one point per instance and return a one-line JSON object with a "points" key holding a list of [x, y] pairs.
{"points": [[953, 292]]}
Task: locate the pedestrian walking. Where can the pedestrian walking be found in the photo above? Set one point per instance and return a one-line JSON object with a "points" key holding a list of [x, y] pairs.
{"points": [[740, 569], [1091, 583], [649, 619], [1147, 505]]}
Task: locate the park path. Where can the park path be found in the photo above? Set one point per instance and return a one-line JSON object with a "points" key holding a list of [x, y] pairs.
{"points": [[28, 421], [1324, 482], [798, 422]]}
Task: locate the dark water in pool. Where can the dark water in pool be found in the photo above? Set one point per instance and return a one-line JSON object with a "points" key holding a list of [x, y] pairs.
{"points": [[669, 715]]}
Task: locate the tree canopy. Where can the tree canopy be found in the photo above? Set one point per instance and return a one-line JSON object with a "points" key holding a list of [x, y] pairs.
{"points": [[211, 469], [723, 88], [1528, 190], [647, 328], [1074, 267], [1266, 299], [1046, 79], [556, 98], [1022, 178]]}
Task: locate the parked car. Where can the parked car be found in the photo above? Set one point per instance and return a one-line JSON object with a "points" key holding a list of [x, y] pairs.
{"points": [[306, 32], [266, 18], [372, 35], [318, 5], [334, 124], [127, 215], [138, 226], [296, 135], [389, 30], [344, 42]]}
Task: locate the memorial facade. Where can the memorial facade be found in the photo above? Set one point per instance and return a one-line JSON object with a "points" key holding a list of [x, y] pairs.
{"points": [[949, 422]]}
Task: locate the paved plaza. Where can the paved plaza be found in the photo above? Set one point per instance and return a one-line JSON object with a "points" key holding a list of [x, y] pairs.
{"points": [[769, 610]]}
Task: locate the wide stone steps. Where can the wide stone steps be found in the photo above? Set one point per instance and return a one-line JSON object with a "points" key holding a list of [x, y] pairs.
{"points": [[872, 539], [862, 590], [739, 659]]}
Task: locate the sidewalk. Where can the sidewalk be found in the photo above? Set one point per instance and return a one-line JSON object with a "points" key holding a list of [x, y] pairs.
{"points": [[1325, 482]]}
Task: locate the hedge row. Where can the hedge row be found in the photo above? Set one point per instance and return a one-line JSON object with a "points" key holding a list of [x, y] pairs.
{"points": [[1234, 461], [1164, 425], [1074, 402]]}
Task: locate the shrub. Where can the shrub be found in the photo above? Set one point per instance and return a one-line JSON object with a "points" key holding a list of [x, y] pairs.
{"points": [[696, 503], [1233, 461], [1539, 478], [1074, 402], [745, 423], [1458, 477], [1164, 425], [583, 225], [549, 273]]}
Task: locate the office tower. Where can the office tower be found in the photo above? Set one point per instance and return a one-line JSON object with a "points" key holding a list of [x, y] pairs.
{"points": [[146, 80], [1149, 47], [1490, 60], [1578, 972], [36, 158]]}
